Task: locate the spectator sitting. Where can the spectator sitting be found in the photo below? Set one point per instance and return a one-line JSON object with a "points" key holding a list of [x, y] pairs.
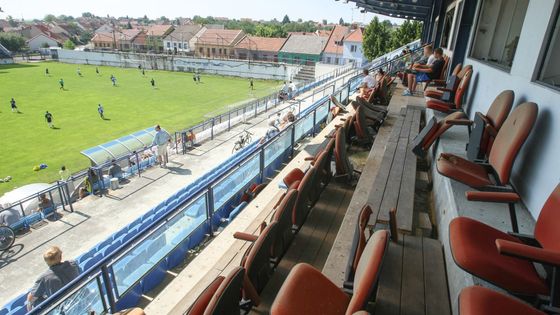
{"points": [[425, 73], [115, 171], [368, 82], [8, 215], [44, 203], [287, 120], [91, 180], [271, 132], [59, 274], [427, 58]]}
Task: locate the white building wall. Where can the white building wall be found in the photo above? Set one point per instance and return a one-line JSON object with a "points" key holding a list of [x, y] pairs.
{"points": [[253, 69], [333, 58], [37, 42], [536, 172], [358, 55]]}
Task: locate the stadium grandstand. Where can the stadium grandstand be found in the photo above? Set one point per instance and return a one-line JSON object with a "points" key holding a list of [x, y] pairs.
{"points": [[409, 188]]}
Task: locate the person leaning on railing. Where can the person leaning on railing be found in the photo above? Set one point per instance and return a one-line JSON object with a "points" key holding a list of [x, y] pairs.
{"points": [[60, 273]]}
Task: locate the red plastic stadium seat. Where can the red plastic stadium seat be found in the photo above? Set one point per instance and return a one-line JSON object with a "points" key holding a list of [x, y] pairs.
{"points": [[283, 217], [359, 243], [458, 74], [507, 260], [200, 304], [457, 104], [307, 291], [477, 300], [495, 175]]}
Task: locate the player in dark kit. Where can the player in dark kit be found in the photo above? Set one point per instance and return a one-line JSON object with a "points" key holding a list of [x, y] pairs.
{"points": [[49, 119]]}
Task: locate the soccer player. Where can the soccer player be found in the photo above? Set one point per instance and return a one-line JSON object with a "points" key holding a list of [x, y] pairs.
{"points": [[61, 82], [100, 111], [47, 72], [251, 84], [198, 77], [14, 106], [153, 82], [79, 72], [113, 80], [97, 71], [143, 72], [49, 119], [194, 78]]}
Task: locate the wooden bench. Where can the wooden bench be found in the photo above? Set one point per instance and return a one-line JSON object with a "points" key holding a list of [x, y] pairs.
{"points": [[394, 184], [413, 279]]}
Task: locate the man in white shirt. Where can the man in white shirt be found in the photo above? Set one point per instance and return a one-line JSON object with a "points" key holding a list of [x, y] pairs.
{"points": [[160, 140], [368, 82], [292, 89]]}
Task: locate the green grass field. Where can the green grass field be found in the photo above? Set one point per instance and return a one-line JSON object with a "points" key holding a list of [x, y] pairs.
{"points": [[132, 105]]}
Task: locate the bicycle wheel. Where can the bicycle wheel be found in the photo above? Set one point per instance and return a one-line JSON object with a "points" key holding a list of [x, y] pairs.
{"points": [[7, 238], [236, 147]]}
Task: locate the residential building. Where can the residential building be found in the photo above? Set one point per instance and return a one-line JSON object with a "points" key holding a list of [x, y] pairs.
{"points": [[353, 49], [218, 43], [179, 39], [104, 41], [155, 35], [126, 38], [302, 49], [105, 28], [139, 43], [41, 41], [334, 50], [259, 48]]}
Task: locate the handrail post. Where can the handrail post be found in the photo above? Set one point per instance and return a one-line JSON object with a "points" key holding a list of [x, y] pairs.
{"points": [[212, 129], [108, 288], [211, 209], [229, 121], [261, 163]]}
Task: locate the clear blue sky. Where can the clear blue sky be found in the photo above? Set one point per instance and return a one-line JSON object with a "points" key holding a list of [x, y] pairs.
{"points": [[316, 10]]}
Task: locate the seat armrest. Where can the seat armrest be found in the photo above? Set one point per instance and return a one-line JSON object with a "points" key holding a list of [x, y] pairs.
{"points": [[459, 122], [309, 158], [343, 119], [491, 130], [348, 285], [445, 89], [526, 238], [245, 236], [531, 253], [492, 196]]}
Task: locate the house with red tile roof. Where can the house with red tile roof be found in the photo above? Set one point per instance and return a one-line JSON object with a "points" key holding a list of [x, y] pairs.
{"points": [[218, 43], [353, 47], [259, 48], [181, 39], [334, 50], [155, 35], [103, 41]]}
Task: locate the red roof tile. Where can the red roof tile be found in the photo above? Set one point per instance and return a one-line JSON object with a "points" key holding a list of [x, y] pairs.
{"points": [[261, 43], [334, 45]]}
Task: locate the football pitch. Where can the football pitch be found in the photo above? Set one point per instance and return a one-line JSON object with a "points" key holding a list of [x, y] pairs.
{"points": [[175, 103]]}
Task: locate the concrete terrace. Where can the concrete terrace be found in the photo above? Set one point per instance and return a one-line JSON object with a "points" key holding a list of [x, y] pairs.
{"points": [[95, 218]]}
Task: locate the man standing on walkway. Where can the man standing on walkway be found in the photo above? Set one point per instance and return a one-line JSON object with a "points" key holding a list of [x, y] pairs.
{"points": [[59, 274], [161, 139]]}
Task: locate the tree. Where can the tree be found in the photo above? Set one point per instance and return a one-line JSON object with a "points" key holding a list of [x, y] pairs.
{"points": [[269, 30], [406, 33], [12, 41], [87, 15], [286, 19], [49, 18], [68, 44], [325, 22], [341, 21], [85, 37], [377, 39]]}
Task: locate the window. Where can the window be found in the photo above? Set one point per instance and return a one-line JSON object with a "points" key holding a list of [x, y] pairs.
{"points": [[328, 59], [175, 45], [180, 45], [336, 60], [220, 51], [353, 48], [168, 45], [213, 51], [447, 25], [498, 30], [550, 68], [201, 50]]}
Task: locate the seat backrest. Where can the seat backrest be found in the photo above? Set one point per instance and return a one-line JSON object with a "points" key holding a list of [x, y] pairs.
{"points": [[546, 229], [443, 73], [500, 108], [228, 294], [462, 89], [201, 302], [457, 69], [359, 242], [496, 115], [463, 71], [257, 260], [367, 271], [301, 208], [283, 219], [510, 138], [360, 123]]}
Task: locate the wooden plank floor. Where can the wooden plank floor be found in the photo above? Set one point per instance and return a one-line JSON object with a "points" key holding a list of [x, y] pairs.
{"points": [[313, 242], [413, 279]]}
